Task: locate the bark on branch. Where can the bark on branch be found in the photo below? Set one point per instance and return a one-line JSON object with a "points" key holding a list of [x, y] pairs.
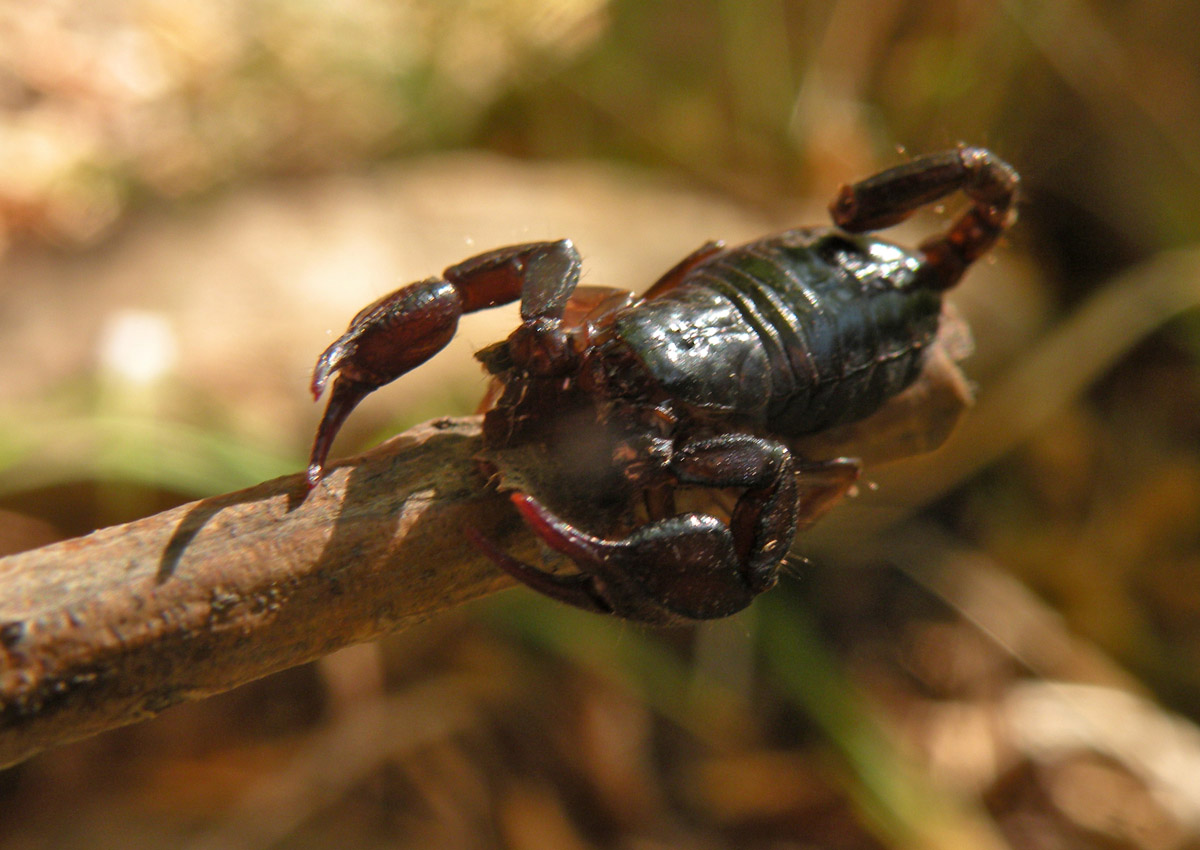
{"points": [[112, 628]]}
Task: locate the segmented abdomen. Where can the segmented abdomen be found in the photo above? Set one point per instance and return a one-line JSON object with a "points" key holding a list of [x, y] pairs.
{"points": [[800, 331]]}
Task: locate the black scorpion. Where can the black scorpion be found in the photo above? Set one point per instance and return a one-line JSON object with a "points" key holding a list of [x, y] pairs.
{"points": [[706, 381]]}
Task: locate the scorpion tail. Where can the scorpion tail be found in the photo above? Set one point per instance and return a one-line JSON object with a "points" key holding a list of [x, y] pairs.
{"points": [[891, 196]]}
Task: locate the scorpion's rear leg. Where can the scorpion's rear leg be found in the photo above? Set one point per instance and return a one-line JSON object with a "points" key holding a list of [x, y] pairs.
{"points": [[690, 566], [891, 196], [404, 329]]}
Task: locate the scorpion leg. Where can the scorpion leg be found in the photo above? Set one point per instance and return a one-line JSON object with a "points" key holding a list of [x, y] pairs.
{"points": [[404, 329], [891, 196], [690, 566], [764, 517]]}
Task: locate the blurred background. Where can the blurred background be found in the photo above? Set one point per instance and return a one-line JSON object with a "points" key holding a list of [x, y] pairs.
{"points": [[993, 647]]}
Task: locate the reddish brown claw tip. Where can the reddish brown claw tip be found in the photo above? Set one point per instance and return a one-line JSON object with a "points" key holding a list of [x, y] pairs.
{"points": [[557, 534], [531, 511], [535, 515]]}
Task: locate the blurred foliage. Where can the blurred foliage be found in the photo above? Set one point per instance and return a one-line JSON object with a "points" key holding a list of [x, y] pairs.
{"points": [[881, 713], [106, 102]]}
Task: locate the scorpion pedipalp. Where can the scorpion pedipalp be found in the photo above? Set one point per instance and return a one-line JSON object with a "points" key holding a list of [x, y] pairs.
{"points": [[404, 329]]}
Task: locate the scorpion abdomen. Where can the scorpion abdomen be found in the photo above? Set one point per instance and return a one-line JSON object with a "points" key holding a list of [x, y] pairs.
{"points": [[797, 332]]}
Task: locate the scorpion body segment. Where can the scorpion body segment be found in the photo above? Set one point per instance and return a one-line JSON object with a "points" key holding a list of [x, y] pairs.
{"points": [[708, 380], [796, 333]]}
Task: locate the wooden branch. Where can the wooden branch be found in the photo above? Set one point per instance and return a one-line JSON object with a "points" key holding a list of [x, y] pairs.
{"points": [[114, 627]]}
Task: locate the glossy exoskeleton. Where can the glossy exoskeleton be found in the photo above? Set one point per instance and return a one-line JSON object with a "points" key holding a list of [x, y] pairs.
{"points": [[704, 381]]}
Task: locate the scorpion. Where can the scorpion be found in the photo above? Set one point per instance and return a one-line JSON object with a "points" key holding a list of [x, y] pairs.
{"points": [[709, 380]]}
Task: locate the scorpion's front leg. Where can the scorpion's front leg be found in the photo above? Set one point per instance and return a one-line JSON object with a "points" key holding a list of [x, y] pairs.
{"points": [[404, 329], [690, 566]]}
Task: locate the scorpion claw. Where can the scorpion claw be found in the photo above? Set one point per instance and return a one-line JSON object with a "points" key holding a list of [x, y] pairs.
{"points": [[684, 567], [578, 589], [404, 329], [345, 397], [557, 534]]}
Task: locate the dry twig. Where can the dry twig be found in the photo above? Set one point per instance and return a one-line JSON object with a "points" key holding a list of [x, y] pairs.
{"points": [[112, 628]]}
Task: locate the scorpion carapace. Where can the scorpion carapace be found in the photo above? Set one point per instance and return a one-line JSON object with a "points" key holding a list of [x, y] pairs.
{"points": [[708, 380]]}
